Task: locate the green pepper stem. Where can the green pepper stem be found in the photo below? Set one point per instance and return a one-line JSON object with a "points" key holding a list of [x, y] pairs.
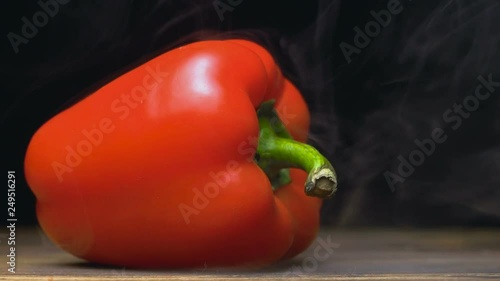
{"points": [[277, 151]]}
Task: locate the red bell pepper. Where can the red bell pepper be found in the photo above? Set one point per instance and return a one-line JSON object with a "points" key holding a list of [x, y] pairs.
{"points": [[194, 158]]}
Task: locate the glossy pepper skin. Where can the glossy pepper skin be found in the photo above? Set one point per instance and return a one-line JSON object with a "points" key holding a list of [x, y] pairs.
{"points": [[118, 176]]}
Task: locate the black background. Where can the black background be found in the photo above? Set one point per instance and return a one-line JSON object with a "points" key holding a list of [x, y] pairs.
{"points": [[365, 113]]}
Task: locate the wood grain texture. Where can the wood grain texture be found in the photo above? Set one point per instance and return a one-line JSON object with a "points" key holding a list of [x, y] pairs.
{"points": [[341, 254], [376, 277]]}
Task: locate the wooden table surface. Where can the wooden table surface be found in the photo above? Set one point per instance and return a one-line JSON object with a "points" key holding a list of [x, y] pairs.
{"points": [[337, 254]]}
